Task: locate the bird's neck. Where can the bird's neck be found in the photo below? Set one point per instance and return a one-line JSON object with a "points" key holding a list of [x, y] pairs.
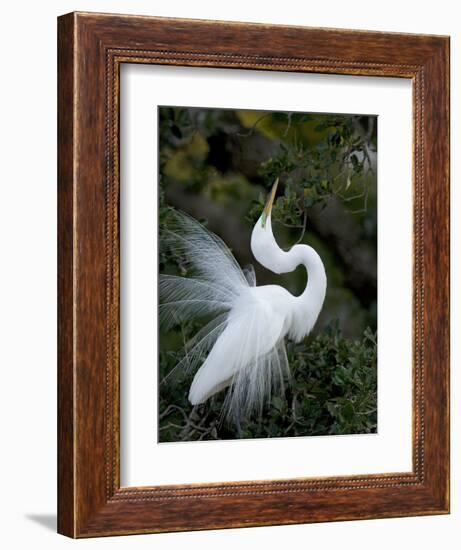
{"points": [[310, 301]]}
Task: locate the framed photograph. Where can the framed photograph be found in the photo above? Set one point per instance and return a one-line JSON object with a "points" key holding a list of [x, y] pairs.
{"points": [[253, 275]]}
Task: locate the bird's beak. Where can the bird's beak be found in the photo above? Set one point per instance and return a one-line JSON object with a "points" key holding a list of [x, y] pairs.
{"points": [[269, 203]]}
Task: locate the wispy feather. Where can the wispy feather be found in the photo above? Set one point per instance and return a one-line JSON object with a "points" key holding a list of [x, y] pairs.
{"points": [[241, 346]]}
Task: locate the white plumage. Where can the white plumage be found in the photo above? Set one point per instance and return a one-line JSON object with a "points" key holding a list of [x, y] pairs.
{"points": [[244, 343]]}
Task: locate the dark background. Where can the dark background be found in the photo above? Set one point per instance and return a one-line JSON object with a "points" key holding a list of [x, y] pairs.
{"points": [[218, 165]]}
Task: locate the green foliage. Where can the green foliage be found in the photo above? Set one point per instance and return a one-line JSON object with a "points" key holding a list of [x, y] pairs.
{"points": [[316, 156], [218, 165], [328, 156], [332, 391]]}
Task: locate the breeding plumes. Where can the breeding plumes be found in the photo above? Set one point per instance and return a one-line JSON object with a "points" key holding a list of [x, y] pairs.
{"points": [[242, 348]]}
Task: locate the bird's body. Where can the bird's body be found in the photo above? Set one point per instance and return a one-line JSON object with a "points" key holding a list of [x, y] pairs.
{"points": [[255, 324], [243, 347]]}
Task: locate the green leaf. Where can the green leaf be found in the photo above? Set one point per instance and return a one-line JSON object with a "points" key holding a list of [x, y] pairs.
{"points": [[347, 411], [277, 403]]}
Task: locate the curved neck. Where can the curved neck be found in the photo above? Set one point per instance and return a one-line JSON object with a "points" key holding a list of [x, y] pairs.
{"points": [[309, 303], [302, 254], [266, 251]]}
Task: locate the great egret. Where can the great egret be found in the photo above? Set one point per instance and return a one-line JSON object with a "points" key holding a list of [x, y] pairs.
{"points": [[244, 343]]}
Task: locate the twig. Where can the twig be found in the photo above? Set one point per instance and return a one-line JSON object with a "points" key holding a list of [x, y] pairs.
{"points": [[289, 225], [174, 408], [289, 115], [303, 228], [169, 425], [252, 128]]}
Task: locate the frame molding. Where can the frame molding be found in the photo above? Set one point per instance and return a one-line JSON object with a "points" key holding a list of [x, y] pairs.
{"points": [[91, 48]]}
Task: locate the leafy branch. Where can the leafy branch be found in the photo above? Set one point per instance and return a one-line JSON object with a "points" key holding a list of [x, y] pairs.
{"points": [[332, 391]]}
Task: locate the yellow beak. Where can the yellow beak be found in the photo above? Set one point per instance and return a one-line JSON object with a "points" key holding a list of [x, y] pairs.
{"points": [[269, 203]]}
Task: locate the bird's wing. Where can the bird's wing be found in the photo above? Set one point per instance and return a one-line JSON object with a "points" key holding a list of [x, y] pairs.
{"points": [[184, 298], [206, 256], [249, 355], [197, 348], [215, 279], [250, 275], [242, 345]]}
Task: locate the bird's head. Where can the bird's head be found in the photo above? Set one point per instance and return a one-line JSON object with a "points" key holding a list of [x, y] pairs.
{"points": [[263, 244]]}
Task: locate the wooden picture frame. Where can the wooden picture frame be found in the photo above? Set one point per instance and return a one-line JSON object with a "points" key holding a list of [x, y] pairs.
{"points": [[92, 48]]}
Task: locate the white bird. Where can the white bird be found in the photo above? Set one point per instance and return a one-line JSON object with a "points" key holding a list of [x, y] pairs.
{"points": [[244, 343]]}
